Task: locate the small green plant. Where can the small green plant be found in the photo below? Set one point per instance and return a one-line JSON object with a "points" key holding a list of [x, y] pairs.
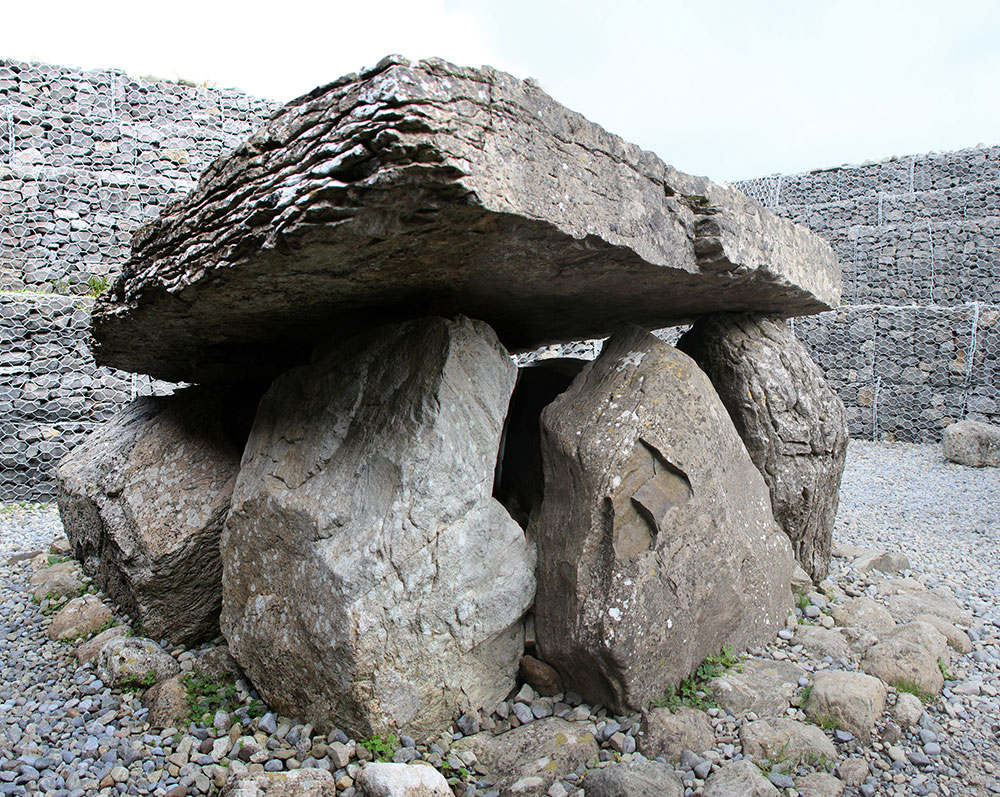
{"points": [[691, 690], [454, 775], [56, 559], [59, 286], [381, 746], [802, 601], [826, 723], [98, 285], [803, 698], [142, 684], [205, 696], [944, 670], [911, 686]]}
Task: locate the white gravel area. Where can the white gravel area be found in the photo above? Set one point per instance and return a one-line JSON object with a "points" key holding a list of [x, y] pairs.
{"points": [[946, 519]]}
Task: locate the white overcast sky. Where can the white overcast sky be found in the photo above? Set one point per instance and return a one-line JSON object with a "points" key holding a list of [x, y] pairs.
{"points": [[727, 88]]}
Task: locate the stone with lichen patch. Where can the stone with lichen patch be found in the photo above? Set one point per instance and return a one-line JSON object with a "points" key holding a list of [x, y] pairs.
{"points": [[656, 542]]}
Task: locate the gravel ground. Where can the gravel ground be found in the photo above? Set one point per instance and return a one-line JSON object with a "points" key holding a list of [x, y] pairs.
{"points": [[946, 519], [64, 734]]}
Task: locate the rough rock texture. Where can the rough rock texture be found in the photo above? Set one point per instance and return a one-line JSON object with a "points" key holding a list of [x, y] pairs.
{"points": [[636, 778], [402, 780], [371, 581], [907, 606], [307, 782], [739, 779], [87, 651], [545, 750], [908, 709], [417, 188], [779, 740], [864, 613], [134, 661], [887, 562], [656, 544], [853, 700], [56, 583], [540, 676], [763, 686], [669, 733], [793, 424], [823, 641], [972, 443], [958, 640], [80, 616], [143, 501], [167, 703], [910, 656], [819, 784]]}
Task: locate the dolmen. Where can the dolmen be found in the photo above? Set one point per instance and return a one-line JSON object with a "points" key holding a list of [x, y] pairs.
{"points": [[405, 502]]}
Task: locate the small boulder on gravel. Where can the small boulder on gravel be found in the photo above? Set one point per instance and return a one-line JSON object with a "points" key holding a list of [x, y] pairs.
{"points": [[87, 651], [763, 686], [61, 580], [853, 771], [545, 750], [907, 606], [891, 562], [865, 613], [910, 657], [852, 700], [908, 710], [668, 733], [739, 779], [306, 782], [781, 740], [822, 641], [402, 780], [972, 443], [958, 640], [80, 617], [636, 778], [540, 676], [819, 784], [134, 661], [57, 584], [167, 703]]}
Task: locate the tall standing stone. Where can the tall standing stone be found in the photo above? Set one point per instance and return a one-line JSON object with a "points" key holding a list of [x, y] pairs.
{"points": [[143, 501], [371, 581], [793, 424], [656, 544]]}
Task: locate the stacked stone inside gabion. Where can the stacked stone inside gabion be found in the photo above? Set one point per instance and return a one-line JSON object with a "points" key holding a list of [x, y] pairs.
{"points": [[399, 231]]}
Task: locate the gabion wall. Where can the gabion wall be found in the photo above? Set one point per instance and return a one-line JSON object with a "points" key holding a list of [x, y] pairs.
{"points": [[916, 345], [85, 158]]}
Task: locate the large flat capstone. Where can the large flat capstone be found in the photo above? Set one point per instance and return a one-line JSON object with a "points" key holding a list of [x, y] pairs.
{"points": [[416, 189]]}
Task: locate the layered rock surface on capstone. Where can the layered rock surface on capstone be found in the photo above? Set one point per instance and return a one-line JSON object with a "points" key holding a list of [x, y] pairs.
{"points": [[416, 189], [371, 580], [656, 543], [143, 501], [792, 422]]}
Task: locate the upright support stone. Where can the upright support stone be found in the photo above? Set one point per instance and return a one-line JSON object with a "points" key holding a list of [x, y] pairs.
{"points": [[656, 544], [792, 422], [143, 501], [371, 581]]}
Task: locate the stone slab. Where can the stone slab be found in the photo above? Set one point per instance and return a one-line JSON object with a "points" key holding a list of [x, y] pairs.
{"points": [[427, 188]]}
